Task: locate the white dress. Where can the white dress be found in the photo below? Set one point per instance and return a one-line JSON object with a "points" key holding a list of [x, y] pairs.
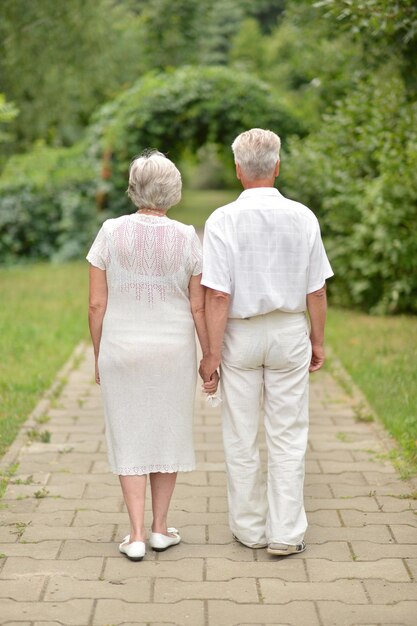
{"points": [[147, 357]]}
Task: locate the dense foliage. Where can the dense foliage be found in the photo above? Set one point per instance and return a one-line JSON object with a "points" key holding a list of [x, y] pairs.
{"points": [[360, 178], [47, 212], [61, 60], [357, 168], [180, 110], [7, 113]]}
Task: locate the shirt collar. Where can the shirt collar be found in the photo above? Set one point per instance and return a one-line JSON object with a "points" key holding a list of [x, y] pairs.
{"points": [[260, 191]]}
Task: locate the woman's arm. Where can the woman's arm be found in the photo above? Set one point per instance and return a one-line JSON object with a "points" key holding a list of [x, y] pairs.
{"points": [[197, 301], [96, 309]]}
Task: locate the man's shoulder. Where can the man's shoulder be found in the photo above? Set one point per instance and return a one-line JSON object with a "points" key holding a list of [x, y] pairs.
{"points": [[298, 207]]}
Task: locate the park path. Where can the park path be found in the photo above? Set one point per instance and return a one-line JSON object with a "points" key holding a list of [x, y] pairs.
{"points": [[63, 516]]}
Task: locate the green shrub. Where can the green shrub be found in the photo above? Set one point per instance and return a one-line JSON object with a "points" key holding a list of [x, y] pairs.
{"points": [[358, 173], [47, 205], [181, 110]]}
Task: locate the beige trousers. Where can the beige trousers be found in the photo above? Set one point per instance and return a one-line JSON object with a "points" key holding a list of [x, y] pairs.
{"points": [[265, 363]]}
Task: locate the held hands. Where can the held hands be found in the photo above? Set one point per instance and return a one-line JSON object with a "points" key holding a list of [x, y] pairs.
{"points": [[317, 357], [210, 387], [209, 374]]}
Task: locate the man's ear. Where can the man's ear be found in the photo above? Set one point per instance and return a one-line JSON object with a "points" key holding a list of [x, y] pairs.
{"points": [[276, 170], [238, 172]]}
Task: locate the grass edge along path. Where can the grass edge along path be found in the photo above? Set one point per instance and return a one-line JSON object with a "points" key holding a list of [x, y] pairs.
{"points": [[43, 318], [34, 426], [380, 356]]}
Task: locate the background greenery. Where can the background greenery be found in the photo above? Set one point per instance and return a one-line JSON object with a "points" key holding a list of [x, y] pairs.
{"points": [[85, 86], [336, 79]]}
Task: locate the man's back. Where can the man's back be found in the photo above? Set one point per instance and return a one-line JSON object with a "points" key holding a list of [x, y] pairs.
{"points": [[266, 251]]}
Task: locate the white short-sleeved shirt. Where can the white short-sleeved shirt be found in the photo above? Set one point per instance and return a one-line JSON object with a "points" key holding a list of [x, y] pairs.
{"points": [[266, 252]]}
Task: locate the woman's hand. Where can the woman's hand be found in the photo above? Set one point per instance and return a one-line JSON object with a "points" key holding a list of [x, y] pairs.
{"points": [[208, 365], [210, 386], [97, 373]]}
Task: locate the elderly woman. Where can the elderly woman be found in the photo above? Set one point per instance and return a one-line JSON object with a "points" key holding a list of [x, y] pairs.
{"points": [[146, 302]]}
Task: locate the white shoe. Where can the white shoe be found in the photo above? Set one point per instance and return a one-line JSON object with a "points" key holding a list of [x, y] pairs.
{"points": [[283, 549], [134, 551], [160, 542]]}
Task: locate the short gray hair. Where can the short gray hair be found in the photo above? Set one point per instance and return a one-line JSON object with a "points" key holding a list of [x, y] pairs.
{"points": [[154, 181], [256, 151]]}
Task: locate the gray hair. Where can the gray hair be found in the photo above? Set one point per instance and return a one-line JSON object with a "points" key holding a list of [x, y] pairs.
{"points": [[154, 181], [256, 151]]}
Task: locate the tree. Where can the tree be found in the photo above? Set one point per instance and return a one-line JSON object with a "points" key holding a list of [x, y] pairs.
{"points": [[393, 20], [266, 12], [188, 32], [8, 112], [247, 51], [170, 32], [59, 60], [384, 27]]}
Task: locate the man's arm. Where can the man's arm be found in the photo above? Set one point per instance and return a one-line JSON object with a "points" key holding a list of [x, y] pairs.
{"points": [[317, 308], [217, 308]]}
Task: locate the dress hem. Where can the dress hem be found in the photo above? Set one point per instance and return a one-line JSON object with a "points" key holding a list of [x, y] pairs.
{"points": [[151, 469]]}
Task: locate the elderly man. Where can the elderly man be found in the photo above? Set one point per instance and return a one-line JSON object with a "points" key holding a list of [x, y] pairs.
{"points": [[264, 265]]}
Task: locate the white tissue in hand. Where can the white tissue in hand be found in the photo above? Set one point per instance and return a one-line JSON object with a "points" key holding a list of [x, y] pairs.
{"points": [[213, 400]]}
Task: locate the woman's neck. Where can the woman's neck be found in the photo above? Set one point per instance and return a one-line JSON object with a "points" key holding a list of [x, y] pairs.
{"points": [[156, 212]]}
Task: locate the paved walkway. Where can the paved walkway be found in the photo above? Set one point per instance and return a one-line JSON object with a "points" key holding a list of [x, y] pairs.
{"points": [[63, 516]]}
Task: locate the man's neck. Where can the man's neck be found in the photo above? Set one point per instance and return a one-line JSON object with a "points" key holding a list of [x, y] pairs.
{"points": [[254, 184]]}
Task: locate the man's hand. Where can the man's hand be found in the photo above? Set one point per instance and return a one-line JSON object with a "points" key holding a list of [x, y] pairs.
{"points": [[208, 365], [317, 357], [210, 387], [317, 307]]}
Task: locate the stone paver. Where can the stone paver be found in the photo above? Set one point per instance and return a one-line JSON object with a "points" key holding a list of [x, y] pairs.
{"points": [[63, 515]]}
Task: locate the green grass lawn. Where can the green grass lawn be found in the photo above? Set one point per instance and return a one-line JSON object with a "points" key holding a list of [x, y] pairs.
{"points": [[380, 353], [196, 206], [42, 317]]}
